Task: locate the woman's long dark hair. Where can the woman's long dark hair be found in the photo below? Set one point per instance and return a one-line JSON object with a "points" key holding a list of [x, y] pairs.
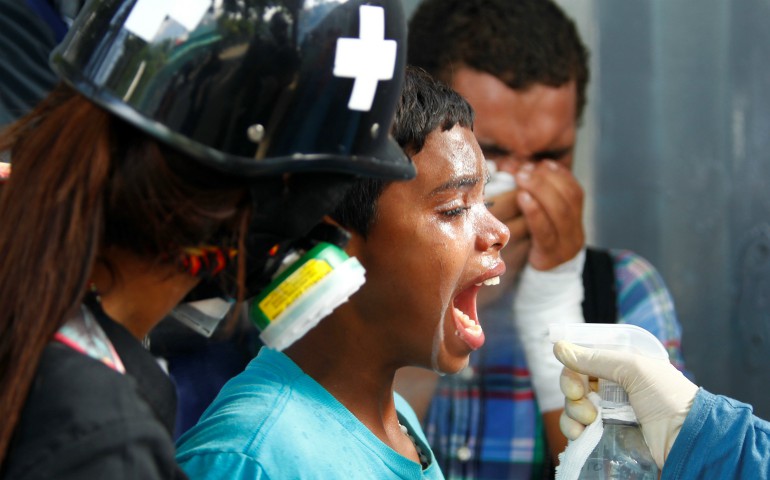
{"points": [[82, 180]]}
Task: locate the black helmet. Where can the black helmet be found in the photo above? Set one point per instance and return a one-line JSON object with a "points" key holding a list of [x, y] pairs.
{"points": [[249, 87]]}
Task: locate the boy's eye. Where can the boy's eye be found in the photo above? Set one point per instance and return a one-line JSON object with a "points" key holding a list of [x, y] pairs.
{"points": [[456, 211]]}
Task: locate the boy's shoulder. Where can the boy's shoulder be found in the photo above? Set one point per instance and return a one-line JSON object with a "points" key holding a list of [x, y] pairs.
{"points": [[258, 425], [248, 405]]}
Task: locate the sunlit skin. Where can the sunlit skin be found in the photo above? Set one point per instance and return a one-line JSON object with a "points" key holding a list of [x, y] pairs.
{"points": [[530, 133], [433, 239]]}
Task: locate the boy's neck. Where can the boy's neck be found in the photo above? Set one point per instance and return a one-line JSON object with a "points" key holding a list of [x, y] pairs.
{"points": [[345, 365], [366, 393]]}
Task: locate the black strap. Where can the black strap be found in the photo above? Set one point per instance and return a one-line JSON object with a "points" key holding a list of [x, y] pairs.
{"points": [[600, 300], [153, 384]]}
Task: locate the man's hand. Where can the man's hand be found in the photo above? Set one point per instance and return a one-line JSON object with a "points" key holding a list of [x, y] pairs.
{"points": [[659, 394], [551, 201]]}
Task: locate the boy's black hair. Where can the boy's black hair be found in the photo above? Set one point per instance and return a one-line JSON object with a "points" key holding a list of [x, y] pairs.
{"points": [[425, 105], [521, 42]]}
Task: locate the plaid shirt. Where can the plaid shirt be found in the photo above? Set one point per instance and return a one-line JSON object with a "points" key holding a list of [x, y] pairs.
{"points": [[484, 423]]}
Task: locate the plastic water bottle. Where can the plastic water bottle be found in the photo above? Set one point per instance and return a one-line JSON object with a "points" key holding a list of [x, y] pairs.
{"points": [[622, 452]]}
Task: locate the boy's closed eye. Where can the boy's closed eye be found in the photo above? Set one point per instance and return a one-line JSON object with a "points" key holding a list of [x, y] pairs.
{"points": [[457, 211]]}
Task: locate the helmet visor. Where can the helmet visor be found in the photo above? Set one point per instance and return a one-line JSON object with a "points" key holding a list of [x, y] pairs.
{"points": [[250, 88]]}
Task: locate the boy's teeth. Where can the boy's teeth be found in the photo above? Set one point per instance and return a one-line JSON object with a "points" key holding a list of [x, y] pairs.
{"points": [[468, 329], [465, 319], [490, 281], [475, 330]]}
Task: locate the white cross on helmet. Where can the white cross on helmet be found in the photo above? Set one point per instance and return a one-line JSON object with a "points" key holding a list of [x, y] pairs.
{"points": [[368, 59]]}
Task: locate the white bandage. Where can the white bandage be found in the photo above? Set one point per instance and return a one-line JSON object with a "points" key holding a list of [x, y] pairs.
{"points": [[542, 298]]}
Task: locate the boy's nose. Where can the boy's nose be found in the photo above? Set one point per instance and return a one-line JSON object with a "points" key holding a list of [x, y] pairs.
{"points": [[494, 233]]}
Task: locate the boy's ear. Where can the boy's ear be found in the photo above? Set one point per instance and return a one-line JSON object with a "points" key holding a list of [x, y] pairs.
{"points": [[356, 245], [356, 241]]}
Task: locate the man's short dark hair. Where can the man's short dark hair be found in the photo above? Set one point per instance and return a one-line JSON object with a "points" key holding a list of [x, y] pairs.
{"points": [[425, 106], [521, 42]]}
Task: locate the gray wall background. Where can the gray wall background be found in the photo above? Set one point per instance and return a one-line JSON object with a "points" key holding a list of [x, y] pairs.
{"points": [[674, 154]]}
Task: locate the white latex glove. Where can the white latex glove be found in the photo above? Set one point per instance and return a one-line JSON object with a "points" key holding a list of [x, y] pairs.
{"points": [[659, 394], [543, 298]]}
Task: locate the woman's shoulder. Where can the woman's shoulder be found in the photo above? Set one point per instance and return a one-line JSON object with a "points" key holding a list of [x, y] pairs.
{"points": [[83, 387], [76, 411]]}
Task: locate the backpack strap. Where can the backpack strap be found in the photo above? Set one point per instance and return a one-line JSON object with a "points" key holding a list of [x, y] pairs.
{"points": [[600, 300]]}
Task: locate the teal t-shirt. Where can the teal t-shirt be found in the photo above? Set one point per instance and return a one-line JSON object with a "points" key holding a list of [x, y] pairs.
{"points": [[273, 421]]}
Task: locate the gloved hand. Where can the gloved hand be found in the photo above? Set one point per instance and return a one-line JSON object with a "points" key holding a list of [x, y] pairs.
{"points": [[659, 394]]}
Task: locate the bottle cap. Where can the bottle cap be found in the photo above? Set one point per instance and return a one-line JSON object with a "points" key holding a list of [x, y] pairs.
{"points": [[610, 336], [612, 392]]}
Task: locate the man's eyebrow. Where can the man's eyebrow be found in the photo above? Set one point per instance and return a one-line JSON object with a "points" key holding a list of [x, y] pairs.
{"points": [[553, 154], [457, 183]]}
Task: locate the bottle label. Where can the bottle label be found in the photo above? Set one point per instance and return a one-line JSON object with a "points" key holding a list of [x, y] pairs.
{"points": [[620, 412], [293, 286]]}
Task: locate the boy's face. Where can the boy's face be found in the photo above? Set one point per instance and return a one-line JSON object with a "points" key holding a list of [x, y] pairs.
{"points": [[432, 244]]}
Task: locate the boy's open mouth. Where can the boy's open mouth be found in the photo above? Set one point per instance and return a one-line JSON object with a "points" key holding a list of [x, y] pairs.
{"points": [[465, 316]]}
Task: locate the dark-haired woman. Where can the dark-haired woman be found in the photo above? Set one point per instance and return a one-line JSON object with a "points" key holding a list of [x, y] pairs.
{"points": [[140, 175]]}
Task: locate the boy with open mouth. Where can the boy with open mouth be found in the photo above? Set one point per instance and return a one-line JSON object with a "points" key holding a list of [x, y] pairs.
{"points": [[325, 407]]}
